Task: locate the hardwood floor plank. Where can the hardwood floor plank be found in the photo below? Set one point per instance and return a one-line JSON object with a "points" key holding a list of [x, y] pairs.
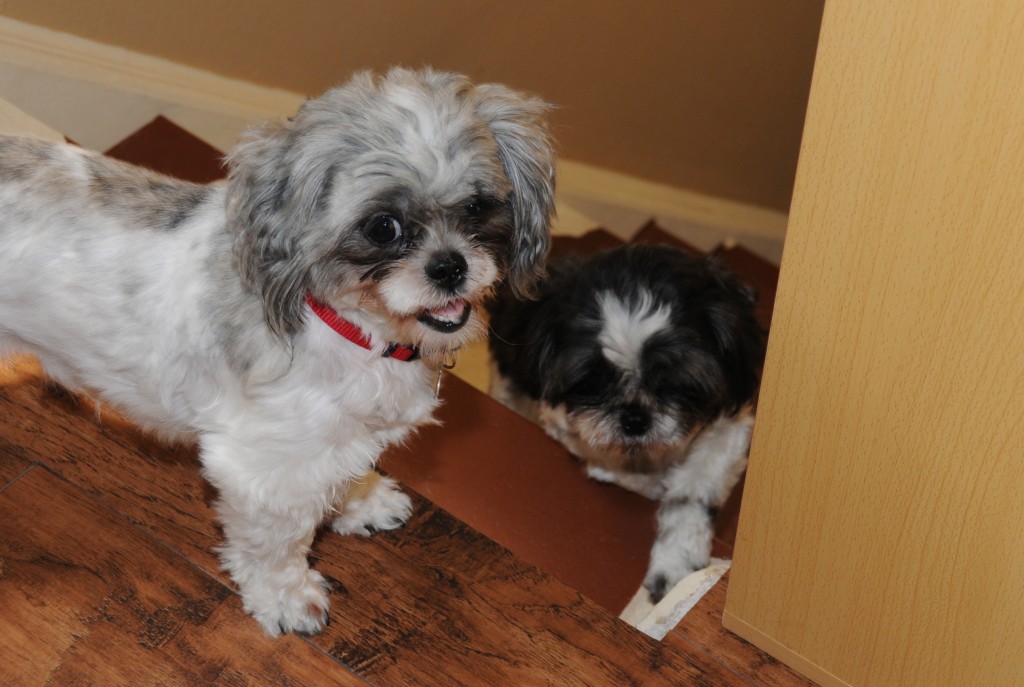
{"points": [[433, 603], [13, 462], [437, 603], [156, 486], [702, 626], [89, 599]]}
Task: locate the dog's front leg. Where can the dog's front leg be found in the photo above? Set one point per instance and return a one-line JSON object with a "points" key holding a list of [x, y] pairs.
{"points": [[265, 551], [370, 504], [695, 490], [269, 522]]}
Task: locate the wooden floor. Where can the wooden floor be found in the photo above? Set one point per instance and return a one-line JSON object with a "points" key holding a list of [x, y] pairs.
{"points": [[107, 574], [107, 577]]}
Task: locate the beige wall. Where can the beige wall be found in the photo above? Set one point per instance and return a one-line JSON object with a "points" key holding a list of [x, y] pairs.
{"points": [[701, 95]]}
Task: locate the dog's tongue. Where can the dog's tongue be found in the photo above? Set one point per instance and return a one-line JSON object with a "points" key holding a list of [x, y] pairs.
{"points": [[450, 312]]}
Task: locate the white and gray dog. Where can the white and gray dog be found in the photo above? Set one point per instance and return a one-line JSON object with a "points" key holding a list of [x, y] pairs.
{"points": [[644, 362], [293, 320]]}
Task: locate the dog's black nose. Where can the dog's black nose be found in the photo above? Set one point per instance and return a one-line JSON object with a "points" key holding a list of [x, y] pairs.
{"points": [[447, 269], [634, 420]]}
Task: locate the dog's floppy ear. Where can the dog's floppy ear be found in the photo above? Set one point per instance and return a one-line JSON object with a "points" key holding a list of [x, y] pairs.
{"points": [[268, 208], [738, 336], [517, 122], [523, 343]]}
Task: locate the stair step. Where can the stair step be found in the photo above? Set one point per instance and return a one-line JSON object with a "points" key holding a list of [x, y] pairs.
{"points": [[165, 147]]}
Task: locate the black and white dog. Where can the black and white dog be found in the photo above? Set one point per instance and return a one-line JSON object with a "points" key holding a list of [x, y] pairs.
{"points": [[644, 362]]}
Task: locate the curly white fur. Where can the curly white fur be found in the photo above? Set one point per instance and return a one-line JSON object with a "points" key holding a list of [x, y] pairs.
{"points": [[184, 305]]}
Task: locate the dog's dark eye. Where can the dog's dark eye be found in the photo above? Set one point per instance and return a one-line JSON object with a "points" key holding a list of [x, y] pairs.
{"points": [[480, 207], [590, 389], [383, 229]]}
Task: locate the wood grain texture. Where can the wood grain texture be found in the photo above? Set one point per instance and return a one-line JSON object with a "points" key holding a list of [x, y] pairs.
{"points": [[433, 603], [13, 462], [89, 599], [702, 627], [155, 486], [437, 603], [882, 531]]}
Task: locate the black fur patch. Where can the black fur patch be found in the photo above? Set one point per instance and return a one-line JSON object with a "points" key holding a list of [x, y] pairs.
{"points": [[704, 364]]}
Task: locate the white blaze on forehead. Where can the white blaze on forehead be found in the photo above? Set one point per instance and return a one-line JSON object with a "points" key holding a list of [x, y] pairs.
{"points": [[627, 326]]}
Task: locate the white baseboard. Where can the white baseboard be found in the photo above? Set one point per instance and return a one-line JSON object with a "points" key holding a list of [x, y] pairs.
{"points": [[663, 202], [189, 92]]}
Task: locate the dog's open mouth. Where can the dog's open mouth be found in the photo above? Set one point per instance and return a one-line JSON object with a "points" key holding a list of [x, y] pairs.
{"points": [[448, 318]]}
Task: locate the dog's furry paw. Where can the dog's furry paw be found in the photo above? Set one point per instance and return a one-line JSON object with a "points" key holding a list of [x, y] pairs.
{"points": [[683, 546], [599, 474], [375, 504], [301, 607], [669, 565], [657, 586], [660, 581], [651, 486]]}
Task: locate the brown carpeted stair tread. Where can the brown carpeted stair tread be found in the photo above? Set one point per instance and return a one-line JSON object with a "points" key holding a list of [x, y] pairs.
{"points": [[503, 476]]}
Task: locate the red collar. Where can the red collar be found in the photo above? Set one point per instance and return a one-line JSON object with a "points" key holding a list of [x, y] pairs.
{"points": [[355, 334]]}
